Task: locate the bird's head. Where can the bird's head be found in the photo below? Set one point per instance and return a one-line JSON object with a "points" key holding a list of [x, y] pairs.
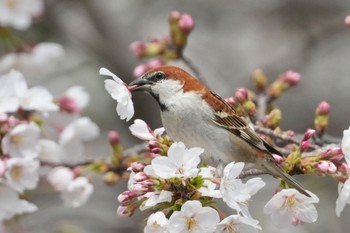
{"points": [[166, 83]]}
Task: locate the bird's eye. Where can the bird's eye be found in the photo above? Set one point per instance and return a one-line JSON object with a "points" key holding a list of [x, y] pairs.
{"points": [[159, 75]]}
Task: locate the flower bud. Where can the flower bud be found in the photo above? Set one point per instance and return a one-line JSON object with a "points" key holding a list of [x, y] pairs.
{"points": [[322, 117], [140, 70], [291, 78], [174, 16], [137, 167], [186, 23], [309, 134], [241, 95], [259, 79], [113, 138], [273, 119], [68, 104], [126, 196], [138, 48], [323, 108], [126, 210], [110, 178], [326, 166]]}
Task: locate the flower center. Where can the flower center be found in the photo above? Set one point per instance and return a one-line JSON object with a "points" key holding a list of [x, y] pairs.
{"points": [[16, 140], [11, 3], [16, 172], [291, 202], [191, 223], [155, 225]]}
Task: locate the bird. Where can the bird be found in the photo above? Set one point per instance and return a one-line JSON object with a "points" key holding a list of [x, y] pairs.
{"points": [[195, 115]]}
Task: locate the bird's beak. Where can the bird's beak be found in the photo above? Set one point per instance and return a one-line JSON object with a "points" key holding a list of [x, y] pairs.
{"points": [[140, 84]]}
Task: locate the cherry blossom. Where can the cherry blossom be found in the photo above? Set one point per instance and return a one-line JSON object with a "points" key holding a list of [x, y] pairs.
{"points": [[60, 178], [119, 92], [22, 173], [291, 207], [234, 192], [11, 205], [237, 223], [50, 151], [72, 137], [77, 192], [180, 162], [15, 94], [344, 196], [22, 141], [142, 131], [19, 13], [194, 218], [156, 223], [345, 145]]}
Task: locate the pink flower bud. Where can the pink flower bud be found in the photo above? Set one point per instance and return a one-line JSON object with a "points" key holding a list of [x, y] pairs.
{"points": [[230, 100], [332, 168], [347, 21], [125, 211], [140, 70], [154, 63], [291, 78], [290, 133], [322, 165], [68, 104], [304, 145], [186, 23], [140, 176], [323, 108], [241, 94], [309, 134], [113, 137], [278, 159], [137, 167], [126, 196], [137, 48], [139, 189]]}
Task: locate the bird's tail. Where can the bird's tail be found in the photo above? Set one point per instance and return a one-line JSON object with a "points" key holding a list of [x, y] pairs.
{"points": [[276, 170]]}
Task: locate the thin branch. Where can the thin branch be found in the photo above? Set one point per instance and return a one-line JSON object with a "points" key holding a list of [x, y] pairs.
{"points": [[194, 69], [251, 172]]}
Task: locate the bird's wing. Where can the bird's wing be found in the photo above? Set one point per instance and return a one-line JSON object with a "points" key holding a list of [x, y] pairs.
{"points": [[227, 118]]}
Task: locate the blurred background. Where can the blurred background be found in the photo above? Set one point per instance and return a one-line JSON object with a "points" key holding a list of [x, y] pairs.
{"points": [[231, 39]]}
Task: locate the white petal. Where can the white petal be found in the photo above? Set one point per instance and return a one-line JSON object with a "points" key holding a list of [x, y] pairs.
{"points": [[141, 130]]}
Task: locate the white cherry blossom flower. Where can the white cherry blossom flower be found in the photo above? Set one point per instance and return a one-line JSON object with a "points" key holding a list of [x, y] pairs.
{"points": [[291, 207], [39, 62], [119, 92], [235, 193], [50, 151], [238, 223], [193, 218], [77, 192], [156, 223], [22, 141], [209, 189], [345, 145], [22, 173], [153, 198], [72, 137], [344, 196], [141, 130], [9, 83], [11, 205], [19, 13], [60, 178], [180, 162], [15, 93]]}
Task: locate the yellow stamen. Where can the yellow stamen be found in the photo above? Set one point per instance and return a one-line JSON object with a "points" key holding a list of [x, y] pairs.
{"points": [[16, 172], [191, 222]]}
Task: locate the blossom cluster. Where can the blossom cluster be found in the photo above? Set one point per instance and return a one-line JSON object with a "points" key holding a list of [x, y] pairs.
{"points": [[183, 194], [24, 150], [167, 48]]}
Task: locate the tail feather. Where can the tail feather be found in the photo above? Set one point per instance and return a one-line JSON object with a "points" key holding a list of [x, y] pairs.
{"points": [[273, 168]]}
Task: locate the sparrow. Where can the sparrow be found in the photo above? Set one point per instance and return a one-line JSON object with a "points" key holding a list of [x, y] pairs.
{"points": [[195, 115]]}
